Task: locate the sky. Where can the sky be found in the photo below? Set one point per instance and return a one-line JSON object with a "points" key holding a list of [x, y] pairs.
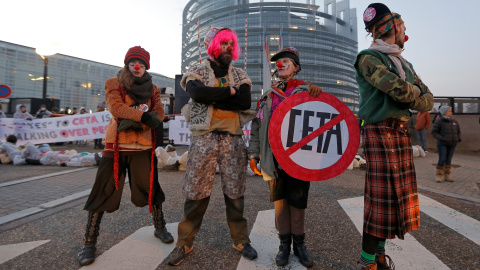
{"points": [[441, 47]]}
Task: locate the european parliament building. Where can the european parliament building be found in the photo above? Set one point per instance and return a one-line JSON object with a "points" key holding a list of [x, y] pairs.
{"points": [[75, 82], [323, 31]]}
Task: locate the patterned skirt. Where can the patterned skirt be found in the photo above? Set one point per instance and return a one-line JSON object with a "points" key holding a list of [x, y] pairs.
{"points": [[391, 196]]}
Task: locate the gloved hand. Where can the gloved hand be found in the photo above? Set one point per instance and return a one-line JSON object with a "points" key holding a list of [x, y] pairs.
{"points": [[150, 119], [253, 166], [127, 123], [314, 90]]}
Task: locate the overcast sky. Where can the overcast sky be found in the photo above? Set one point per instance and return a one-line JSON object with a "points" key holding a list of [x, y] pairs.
{"points": [[443, 34]]}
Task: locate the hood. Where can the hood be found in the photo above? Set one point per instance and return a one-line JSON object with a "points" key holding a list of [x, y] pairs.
{"points": [[17, 108]]}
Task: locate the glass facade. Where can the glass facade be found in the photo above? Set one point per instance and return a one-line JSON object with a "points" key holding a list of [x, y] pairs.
{"points": [[324, 33], [75, 82]]}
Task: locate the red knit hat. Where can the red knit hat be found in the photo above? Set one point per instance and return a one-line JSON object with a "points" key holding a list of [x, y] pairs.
{"points": [[138, 53]]}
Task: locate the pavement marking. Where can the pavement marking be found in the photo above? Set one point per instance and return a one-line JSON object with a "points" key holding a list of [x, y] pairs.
{"points": [[450, 194], [20, 214], [409, 250], [461, 223], [265, 240], [141, 250], [11, 183], [8, 252], [65, 199], [45, 206]]}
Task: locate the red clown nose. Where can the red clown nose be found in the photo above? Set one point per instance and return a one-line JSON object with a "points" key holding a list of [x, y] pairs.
{"points": [[406, 38], [230, 48], [279, 64], [137, 67]]}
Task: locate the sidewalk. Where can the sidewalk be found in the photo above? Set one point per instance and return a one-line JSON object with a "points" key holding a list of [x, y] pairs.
{"points": [[465, 172]]}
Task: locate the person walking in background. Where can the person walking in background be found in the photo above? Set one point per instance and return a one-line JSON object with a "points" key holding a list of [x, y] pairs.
{"points": [[447, 132], [136, 107], [389, 88], [219, 108], [289, 194], [421, 126]]}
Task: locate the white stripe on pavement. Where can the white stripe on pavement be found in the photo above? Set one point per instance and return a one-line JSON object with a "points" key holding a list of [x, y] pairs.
{"points": [[8, 252], [6, 184], [265, 240], [141, 250], [463, 224], [406, 253]]}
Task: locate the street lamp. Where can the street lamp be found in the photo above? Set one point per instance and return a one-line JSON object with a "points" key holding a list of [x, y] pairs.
{"points": [[44, 52]]}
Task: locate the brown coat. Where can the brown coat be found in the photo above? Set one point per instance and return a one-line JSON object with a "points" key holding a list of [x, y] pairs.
{"points": [[120, 109], [423, 120]]}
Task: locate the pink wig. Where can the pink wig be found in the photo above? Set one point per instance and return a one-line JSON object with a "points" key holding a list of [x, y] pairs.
{"points": [[214, 49]]}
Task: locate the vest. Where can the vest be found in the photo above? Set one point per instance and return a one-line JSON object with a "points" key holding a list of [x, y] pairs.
{"points": [[375, 105]]}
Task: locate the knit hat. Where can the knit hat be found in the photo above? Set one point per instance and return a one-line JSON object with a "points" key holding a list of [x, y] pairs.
{"points": [[444, 109], [289, 52], [138, 53], [373, 13]]}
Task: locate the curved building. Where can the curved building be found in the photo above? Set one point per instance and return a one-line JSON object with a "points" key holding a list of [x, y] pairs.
{"points": [[323, 31]]}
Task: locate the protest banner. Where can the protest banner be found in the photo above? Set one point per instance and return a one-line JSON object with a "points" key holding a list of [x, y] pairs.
{"points": [[180, 134], [56, 129]]}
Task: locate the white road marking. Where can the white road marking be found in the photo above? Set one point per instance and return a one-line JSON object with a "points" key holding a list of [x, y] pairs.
{"points": [[461, 223], [265, 240], [406, 254], [141, 250], [8, 252], [10, 183]]}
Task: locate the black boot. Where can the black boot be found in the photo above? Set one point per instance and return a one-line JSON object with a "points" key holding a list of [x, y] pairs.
{"points": [[87, 256], [284, 249], [159, 224], [300, 250]]}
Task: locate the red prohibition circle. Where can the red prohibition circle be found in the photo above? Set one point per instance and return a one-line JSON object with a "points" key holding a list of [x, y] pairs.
{"points": [[282, 154], [5, 91]]}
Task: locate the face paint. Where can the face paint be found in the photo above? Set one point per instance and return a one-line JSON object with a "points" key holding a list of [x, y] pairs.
{"points": [[137, 67]]}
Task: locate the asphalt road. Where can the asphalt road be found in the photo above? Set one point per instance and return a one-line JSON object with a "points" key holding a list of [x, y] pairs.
{"points": [[331, 236]]}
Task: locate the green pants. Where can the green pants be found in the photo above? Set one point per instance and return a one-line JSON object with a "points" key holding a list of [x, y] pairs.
{"points": [[194, 210]]}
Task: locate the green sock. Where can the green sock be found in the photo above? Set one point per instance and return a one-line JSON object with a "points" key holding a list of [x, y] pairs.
{"points": [[367, 259], [381, 247]]}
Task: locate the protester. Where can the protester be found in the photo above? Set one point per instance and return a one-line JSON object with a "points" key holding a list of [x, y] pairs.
{"points": [[74, 111], [2, 114], [135, 104], [98, 142], [43, 112], [82, 142], [289, 194], [21, 113], [421, 125], [389, 88], [220, 92], [447, 132]]}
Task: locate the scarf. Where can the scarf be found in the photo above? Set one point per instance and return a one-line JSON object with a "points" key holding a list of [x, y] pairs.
{"points": [[394, 53], [142, 89]]}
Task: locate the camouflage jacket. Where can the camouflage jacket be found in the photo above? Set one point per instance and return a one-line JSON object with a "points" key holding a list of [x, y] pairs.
{"points": [[383, 94]]}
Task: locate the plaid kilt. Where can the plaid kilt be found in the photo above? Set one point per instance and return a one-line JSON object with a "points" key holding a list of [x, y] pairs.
{"points": [[391, 196]]}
